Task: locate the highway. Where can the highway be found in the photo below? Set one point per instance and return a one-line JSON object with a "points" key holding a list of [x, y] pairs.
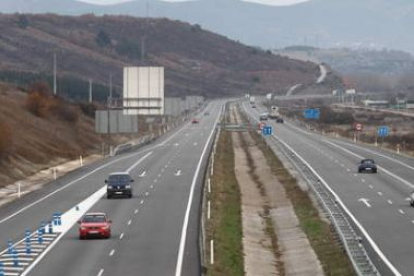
{"points": [[154, 233], [377, 201]]}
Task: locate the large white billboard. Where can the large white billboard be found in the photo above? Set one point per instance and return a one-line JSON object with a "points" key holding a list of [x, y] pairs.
{"points": [[143, 91]]}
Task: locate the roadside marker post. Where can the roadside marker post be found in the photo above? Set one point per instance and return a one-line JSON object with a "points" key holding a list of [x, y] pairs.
{"points": [[39, 236], [15, 258], [27, 235], [43, 227], [50, 227], [10, 248]]}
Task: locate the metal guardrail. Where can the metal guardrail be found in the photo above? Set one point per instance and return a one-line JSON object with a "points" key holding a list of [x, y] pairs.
{"points": [[348, 237]]}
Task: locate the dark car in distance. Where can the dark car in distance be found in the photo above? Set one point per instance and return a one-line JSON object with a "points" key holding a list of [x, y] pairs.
{"points": [[119, 184], [367, 165]]}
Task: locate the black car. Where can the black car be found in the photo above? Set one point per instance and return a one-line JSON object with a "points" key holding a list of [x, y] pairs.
{"points": [[119, 184], [279, 120], [367, 165]]}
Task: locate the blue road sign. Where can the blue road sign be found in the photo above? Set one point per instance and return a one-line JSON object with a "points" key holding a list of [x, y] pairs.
{"points": [[267, 130], [312, 113], [383, 131]]}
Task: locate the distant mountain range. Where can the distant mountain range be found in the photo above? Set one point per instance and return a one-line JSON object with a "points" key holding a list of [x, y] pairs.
{"points": [[322, 23]]}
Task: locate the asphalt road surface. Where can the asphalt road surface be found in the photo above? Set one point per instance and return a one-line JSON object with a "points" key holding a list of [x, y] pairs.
{"points": [[377, 201], [153, 233]]}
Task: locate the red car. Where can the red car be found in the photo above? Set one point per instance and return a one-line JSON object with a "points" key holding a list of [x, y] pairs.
{"points": [[94, 225], [194, 121]]}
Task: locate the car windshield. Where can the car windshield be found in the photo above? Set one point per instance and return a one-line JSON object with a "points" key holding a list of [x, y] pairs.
{"points": [[119, 179], [93, 218], [367, 161]]}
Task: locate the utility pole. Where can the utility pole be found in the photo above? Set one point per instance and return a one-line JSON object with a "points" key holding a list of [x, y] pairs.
{"points": [[110, 86], [54, 75], [90, 90]]}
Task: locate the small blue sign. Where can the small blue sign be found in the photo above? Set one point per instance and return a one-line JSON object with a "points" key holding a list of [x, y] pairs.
{"points": [[267, 130], [312, 113], [383, 131]]}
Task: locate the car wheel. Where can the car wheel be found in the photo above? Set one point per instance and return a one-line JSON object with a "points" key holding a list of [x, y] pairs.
{"points": [[108, 196], [412, 203]]}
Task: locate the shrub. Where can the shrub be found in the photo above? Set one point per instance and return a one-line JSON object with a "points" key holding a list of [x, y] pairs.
{"points": [[88, 109], [37, 104]]}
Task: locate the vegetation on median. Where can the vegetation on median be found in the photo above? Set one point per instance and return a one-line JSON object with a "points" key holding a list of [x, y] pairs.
{"points": [[334, 260], [225, 225]]}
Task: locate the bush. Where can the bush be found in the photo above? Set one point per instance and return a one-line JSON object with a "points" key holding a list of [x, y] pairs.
{"points": [[129, 48], [88, 109], [41, 103], [5, 138]]}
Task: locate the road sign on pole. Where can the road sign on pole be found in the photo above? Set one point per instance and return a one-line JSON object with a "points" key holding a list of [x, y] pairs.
{"points": [[383, 131], [267, 130], [311, 113], [358, 126]]}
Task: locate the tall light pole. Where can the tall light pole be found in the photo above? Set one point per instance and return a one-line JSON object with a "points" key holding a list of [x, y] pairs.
{"points": [[54, 75]]}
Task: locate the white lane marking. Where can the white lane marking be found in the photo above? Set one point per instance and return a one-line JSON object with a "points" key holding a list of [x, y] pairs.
{"points": [[379, 193], [142, 174], [155, 180], [365, 201], [129, 222], [64, 187], [342, 165], [401, 211], [412, 221], [348, 170], [112, 252], [189, 203], [176, 144], [363, 180], [136, 211], [159, 175], [121, 236], [146, 193], [101, 272], [357, 223], [355, 175], [379, 167], [389, 201], [162, 170], [138, 162], [152, 186], [178, 173], [195, 144], [166, 166], [379, 154], [142, 201], [371, 187]]}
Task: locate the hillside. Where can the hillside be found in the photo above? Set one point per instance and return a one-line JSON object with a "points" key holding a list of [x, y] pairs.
{"points": [[321, 23], [197, 62], [29, 142]]}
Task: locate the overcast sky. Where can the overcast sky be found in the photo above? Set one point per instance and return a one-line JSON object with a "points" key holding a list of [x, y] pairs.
{"points": [[268, 2]]}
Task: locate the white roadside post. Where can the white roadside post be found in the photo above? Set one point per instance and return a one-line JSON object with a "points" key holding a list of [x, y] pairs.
{"points": [[18, 190]]}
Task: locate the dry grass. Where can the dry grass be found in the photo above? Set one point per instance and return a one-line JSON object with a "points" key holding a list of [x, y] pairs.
{"points": [[334, 260], [225, 225]]}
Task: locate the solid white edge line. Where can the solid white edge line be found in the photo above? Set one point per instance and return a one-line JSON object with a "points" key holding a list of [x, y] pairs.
{"points": [[379, 167], [90, 173], [112, 252], [89, 202], [189, 203], [361, 228], [101, 272], [357, 223]]}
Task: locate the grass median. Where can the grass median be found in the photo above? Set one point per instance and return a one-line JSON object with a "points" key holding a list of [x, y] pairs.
{"points": [[332, 256], [225, 225]]}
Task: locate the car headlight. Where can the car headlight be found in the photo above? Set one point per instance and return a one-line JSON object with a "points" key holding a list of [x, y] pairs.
{"points": [[110, 187], [105, 227]]}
